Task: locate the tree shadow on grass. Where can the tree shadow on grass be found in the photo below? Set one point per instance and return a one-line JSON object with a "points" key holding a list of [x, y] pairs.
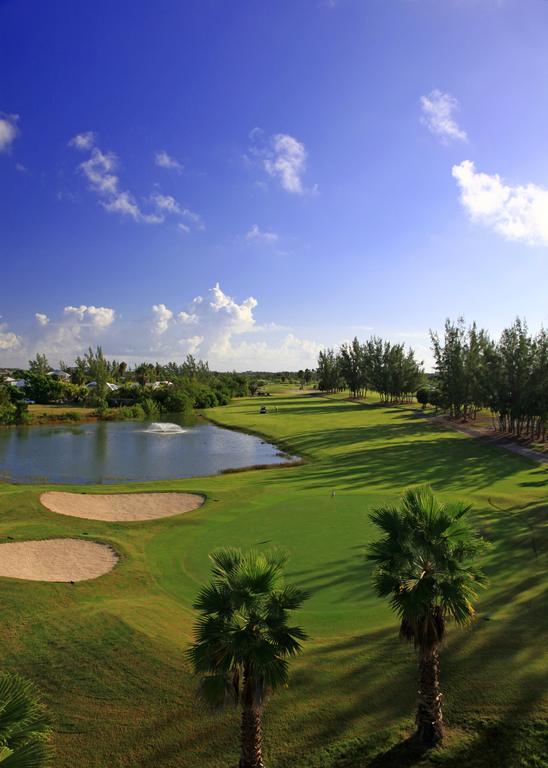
{"points": [[405, 754], [445, 462], [542, 474], [490, 676], [354, 572]]}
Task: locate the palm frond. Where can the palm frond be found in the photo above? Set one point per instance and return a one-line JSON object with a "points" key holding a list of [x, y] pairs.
{"points": [[426, 563], [35, 753], [243, 625], [24, 724]]}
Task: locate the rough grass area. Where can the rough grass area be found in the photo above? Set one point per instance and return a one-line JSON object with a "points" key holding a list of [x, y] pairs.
{"points": [[110, 654], [51, 414]]}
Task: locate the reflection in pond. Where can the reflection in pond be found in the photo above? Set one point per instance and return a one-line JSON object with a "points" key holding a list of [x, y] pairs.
{"points": [[109, 452]]}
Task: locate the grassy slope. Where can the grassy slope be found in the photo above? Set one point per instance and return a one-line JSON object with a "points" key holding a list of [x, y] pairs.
{"points": [[110, 653]]}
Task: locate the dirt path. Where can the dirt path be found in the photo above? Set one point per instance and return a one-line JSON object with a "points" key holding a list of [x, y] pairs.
{"points": [[488, 437]]}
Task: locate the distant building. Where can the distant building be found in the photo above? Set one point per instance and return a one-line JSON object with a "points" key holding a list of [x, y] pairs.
{"points": [[111, 387], [58, 374]]}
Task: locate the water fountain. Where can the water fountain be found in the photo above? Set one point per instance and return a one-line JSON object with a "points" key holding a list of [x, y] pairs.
{"points": [[165, 428]]}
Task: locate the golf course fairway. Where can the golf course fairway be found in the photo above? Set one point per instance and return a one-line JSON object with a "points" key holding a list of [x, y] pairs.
{"points": [[109, 653]]}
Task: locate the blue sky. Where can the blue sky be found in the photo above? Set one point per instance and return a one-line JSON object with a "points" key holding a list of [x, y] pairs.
{"points": [[252, 181]]}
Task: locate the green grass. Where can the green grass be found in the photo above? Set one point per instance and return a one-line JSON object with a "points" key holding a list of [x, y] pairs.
{"points": [[110, 654]]}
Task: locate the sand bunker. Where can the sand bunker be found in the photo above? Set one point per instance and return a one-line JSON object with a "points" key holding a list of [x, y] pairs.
{"points": [[121, 506], [56, 560]]}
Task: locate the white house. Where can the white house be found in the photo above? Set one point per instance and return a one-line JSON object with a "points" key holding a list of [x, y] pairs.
{"points": [[158, 384], [111, 387], [60, 375]]}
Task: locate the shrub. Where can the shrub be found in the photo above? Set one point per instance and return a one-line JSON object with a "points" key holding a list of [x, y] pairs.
{"points": [[70, 416], [223, 398], [131, 412], [150, 407], [177, 402], [205, 398], [8, 413]]}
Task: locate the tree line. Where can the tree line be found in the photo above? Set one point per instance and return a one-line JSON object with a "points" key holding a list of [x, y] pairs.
{"points": [[472, 372], [508, 376], [146, 390], [376, 365]]}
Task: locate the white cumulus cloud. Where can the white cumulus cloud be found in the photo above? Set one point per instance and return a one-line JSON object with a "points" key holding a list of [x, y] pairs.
{"points": [[239, 316], [187, 318], [163, 160], [9, 341], [162, 318], [8, 130], [124, 203], [283, 157], [83, 141], [169, 206], [515, 212], [98, 170], [438, 114], [288, 162], [191, 345], [101, 171], [97, 317], [257, 235], [41, 319]]}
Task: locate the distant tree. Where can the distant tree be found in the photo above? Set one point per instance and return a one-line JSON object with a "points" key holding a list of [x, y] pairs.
{"points": [[243, 639], [329, 371], [352, 367], [422, 395], [79, 372], [98, 370], [24, 725], [425, 566], [8, 409], [145, 373], [39, 365], [43, 389]]}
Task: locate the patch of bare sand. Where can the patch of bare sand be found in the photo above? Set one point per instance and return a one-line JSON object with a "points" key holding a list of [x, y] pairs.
{"points": [[56, 560], [124, 507]]}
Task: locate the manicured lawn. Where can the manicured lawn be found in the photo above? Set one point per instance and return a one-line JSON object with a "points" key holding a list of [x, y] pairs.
{"points": [[110, 654]]}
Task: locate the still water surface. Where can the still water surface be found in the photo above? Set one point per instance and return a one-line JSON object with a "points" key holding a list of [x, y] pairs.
{"points": [[116, 451]]}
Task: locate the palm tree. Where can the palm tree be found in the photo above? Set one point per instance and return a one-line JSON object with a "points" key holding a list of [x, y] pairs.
{"points": [[24, 726], [425, 566], [243, 639]]}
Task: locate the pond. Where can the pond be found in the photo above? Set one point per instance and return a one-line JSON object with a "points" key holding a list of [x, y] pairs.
{"points": [[118, 451]]}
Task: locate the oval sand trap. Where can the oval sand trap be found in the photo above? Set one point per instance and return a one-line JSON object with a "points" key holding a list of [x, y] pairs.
{"points": [[56, 560], [121, 506]]}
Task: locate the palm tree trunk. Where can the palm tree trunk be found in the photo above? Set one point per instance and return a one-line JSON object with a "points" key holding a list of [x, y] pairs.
{"points": [[252, 741], [429, 710]]}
